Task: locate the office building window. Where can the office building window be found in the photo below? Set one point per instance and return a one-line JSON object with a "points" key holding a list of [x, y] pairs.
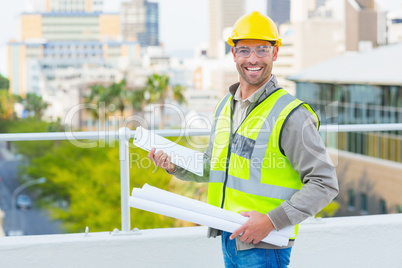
{"points": [[351, 202], [383, 206], [364, 205]]}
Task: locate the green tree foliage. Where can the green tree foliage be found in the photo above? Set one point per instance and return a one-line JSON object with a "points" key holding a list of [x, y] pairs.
{"points": [[137, 100], [178, 94], [119, 95], [108, 99], [32, 149], [89, 181], [4, 83], [99, 96], [158, 89], [7, 113], [35, 103]]}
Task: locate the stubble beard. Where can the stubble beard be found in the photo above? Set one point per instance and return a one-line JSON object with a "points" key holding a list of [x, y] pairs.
{"points": [[257, 81]]}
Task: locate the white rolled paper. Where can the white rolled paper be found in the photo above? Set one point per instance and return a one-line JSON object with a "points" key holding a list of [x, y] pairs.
{"points": [[176, 206]]}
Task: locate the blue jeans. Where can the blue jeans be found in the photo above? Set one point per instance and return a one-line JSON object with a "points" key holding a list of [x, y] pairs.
{"points": [[255, 257]]}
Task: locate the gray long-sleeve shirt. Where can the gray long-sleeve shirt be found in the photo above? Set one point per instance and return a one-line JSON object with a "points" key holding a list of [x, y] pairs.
{"points": [[306, 152]]}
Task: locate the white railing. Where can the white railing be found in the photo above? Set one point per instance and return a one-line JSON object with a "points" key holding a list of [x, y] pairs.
{"points": [[124, 134]]}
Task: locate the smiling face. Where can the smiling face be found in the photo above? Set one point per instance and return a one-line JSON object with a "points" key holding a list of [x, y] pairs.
{"points": [[254, 71]]}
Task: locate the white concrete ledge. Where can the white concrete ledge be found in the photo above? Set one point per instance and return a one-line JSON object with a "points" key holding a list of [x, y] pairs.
{"points": [[171, 247], [366, 241], [362, 241]]}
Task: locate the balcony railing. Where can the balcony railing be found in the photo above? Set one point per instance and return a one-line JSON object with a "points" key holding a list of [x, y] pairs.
{"points": [[364, 241], [123, 135]]}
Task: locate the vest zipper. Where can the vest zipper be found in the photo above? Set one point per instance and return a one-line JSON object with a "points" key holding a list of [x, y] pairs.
{"points": [[228, 158], [231, 138]]}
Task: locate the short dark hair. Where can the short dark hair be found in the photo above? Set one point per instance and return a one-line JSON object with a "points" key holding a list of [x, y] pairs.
{"points": [[273, 43]]}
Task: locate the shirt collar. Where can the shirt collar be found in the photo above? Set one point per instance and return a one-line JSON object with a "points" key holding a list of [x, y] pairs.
{"points": [[269, 86]]}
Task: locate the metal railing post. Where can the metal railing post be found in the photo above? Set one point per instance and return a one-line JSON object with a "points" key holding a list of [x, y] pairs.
{"points": [[124, 136]]}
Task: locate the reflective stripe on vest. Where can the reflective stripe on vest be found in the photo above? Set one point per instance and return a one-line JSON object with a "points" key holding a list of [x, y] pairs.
{"points": [[240, 179], [253, 185], [254, 151]]}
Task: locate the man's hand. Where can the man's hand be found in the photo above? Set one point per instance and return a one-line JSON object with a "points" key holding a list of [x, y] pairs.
{"points": [[255, 229], [162, 160]]}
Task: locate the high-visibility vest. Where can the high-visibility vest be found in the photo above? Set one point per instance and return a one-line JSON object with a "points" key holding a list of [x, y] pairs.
{"points": [[248, 169]]}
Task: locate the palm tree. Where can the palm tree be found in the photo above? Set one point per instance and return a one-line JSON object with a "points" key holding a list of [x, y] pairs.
{"points": [[36, 104], [178, 94], [137, 100], [158, 88], [96, 95], [118, 94]]}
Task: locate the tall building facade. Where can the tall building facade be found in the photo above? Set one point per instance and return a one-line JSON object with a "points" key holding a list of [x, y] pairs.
{"points": [[140, 22], [394, 26], [348, 90], [222, 14], [63, 6], [74, 5], [365, 25], [279, 11]]}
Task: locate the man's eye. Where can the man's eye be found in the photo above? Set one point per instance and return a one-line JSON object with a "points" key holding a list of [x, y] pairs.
{"points": [[263, 50], [244, 50]]}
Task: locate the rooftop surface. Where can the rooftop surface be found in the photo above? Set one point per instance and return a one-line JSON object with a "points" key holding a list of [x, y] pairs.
{"points": [[380, 66], [364, 241]]}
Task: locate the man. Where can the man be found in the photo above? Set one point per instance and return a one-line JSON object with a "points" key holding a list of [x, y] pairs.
{"points": [[265, 158]]}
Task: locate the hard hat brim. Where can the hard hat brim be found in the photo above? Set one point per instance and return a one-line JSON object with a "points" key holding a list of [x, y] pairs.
{"points": [[230, 41]]}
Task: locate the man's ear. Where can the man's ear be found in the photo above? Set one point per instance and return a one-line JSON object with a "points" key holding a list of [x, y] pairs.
{"points": [[234, 54], [275, 56]]}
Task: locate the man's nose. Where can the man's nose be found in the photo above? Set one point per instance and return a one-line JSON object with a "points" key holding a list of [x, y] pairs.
{"points": [[253, 58]]}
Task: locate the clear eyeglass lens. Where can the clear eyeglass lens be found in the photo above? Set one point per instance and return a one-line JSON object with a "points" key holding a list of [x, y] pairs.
{"points": [[261, 51]]}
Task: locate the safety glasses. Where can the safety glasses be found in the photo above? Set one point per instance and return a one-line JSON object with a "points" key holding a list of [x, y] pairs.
{"points": [[260, 51]]}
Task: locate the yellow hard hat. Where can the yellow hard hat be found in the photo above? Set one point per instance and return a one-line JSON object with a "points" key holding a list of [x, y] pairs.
{"points": [[255, 26]]}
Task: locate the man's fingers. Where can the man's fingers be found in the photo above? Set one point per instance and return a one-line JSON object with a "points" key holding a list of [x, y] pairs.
{"points": [[256, 241], [163, 160], [157, 157], [151, 154], [248, 240], [238, 231], [246, 213]]}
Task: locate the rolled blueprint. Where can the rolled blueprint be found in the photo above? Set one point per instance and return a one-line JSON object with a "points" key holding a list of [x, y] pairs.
{"points": [[182, 156], [173, 205], [199, 218], [151, 193]]}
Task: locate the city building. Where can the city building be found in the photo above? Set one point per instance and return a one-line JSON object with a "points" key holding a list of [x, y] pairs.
{"points": [[361, 88], [365, 25], [315, 33], [74, 5], [63, 5], [222, 14], [279, 11], [301, 10], [63, 48], [394, 26], [140, 22]]}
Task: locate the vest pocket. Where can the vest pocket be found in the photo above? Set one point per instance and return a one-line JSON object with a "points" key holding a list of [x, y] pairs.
{"points": [[242, 146]]}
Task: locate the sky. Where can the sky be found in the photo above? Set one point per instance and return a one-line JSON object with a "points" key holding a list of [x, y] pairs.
{"points": [[183, 23]]}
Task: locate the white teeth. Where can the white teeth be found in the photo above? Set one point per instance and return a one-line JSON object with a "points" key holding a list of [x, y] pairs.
{"points": [[253, 69]]}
